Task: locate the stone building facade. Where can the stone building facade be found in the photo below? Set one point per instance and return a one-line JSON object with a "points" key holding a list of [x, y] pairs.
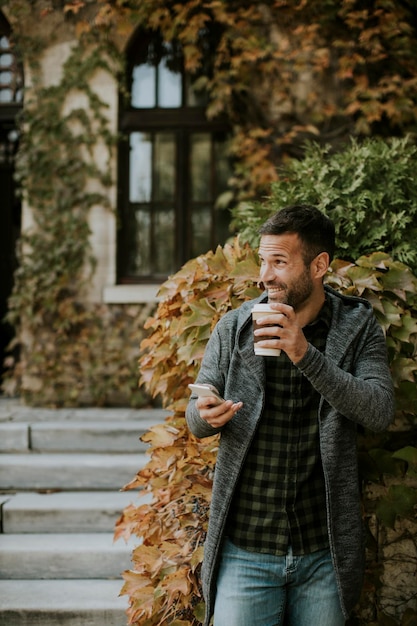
{"points": [[168, 169]]}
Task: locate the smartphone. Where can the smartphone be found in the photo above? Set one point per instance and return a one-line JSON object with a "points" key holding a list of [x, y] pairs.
{"points": [[204, 390]]}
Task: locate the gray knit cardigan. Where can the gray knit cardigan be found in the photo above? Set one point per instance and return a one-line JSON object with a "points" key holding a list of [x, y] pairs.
{"points": [[355, 385]]}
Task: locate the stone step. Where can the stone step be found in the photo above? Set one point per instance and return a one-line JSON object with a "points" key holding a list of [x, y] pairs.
{"points": [[62, 603], [89, 437], [65, 512], [14, 411], [74, 436], [64, 556], [61, 472], [68, 471]]}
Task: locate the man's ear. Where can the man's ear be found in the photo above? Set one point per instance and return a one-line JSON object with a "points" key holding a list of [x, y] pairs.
{"points": [[320, 265]]}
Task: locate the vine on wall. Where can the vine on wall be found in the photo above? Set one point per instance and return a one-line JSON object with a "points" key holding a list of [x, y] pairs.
{"points": [[69, 349]]}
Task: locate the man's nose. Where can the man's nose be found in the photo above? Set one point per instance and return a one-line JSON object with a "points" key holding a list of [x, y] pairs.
{"points": [[266, 273]]}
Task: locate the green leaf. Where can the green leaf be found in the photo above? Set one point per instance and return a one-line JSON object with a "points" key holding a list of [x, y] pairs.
{"points": [[403, 369], [392, 312], [224, 200], [364, 278], [399, 502], [385, 462], [407, 329], [398, 279], [199, 611], [202, 314], [406, 396], [408, 454]]}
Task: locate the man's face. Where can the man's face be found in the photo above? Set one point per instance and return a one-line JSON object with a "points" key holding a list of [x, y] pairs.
{"points": [[283, 271]]}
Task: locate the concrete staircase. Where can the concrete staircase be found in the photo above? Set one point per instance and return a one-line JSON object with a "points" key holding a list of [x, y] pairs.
{"points": [[60, 477]]}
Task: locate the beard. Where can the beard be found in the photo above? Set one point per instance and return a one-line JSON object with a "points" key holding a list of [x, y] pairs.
{"points": [[294, 294]]}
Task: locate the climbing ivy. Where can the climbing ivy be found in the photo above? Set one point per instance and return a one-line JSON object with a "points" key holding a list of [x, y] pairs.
{"points": [[368, 189], [64, 128]]}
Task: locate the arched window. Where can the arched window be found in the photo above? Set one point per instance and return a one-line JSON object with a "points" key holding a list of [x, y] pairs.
{"points": [[173, 165], [11, 93], [11, 79]]}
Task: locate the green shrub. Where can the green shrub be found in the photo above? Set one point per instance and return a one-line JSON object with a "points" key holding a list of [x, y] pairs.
{"points": [[369, 190], [163, 584]]}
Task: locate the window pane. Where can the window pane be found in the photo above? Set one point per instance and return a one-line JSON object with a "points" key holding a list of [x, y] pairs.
{"points": [[222, 163], [143, 86], [6, 78], [169, 86], [201, 230], [6, 95], [141, 264], [200, 160], [164, 167], [140, 167], [223, 171], [6, 60], [164, 240], [222, 230], [154, 242]]}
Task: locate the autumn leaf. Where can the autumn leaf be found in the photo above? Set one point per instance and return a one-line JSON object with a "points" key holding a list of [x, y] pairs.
{"points": [[162, 435], [176, 583], [197, 558]]}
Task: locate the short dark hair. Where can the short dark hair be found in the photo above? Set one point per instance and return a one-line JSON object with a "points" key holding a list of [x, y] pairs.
{"points": [[316, 230]]}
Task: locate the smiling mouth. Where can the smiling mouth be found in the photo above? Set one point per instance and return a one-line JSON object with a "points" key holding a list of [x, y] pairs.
{"points": [[277, 294], [274, 290]]}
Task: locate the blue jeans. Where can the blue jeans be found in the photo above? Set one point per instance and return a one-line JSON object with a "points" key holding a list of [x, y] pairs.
{"points": [[265, 590]]}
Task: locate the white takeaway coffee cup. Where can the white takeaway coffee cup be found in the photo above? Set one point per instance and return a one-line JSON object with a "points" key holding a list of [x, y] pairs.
{"points": [[258, 311]]}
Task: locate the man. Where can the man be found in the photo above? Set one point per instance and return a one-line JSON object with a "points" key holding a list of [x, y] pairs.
{"points": [[285, 542]]}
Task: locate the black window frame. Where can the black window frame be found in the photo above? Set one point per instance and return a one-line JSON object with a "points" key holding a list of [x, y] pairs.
{"points": [[183, 122]]}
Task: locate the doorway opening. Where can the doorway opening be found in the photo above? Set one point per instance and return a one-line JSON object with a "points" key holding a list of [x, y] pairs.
{"points": [[11, 98]]}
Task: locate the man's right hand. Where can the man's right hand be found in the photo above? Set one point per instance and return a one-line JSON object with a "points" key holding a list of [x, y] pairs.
{"points": [[217, 414]]}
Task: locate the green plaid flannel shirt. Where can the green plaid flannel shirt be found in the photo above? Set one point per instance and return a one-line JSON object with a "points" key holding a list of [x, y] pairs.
{"points": [[280, 497]]}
